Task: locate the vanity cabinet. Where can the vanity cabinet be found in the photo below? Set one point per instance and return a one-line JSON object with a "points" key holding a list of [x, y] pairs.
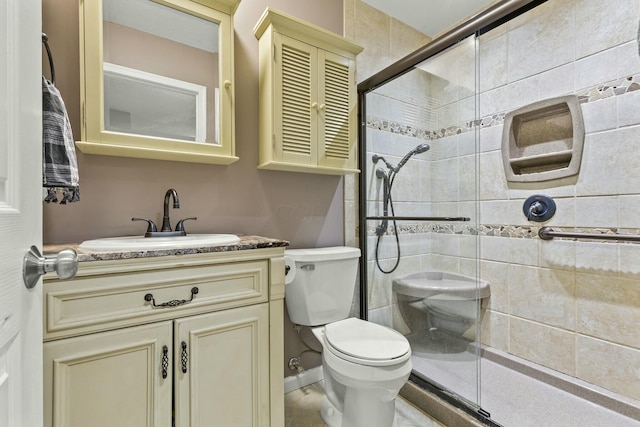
{"points": [[213, 357], [308, 103], [157, 79]]}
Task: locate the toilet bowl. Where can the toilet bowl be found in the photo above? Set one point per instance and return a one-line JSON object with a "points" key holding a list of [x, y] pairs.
{"points": [[431, 301], [364, 364]]}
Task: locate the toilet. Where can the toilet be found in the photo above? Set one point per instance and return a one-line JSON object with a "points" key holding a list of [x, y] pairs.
{"points": [[364, 364]]}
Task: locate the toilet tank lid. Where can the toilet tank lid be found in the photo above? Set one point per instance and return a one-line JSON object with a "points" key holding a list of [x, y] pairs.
{"points": [[322, 254]]}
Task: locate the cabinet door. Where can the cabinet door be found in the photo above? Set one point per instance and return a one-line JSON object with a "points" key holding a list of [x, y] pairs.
{"points": [[222, 368], [338, 111], [296, 101], [110, 379]]}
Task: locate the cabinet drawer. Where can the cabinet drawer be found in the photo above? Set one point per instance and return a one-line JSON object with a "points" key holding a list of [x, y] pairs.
{"points": [[107, 301]]}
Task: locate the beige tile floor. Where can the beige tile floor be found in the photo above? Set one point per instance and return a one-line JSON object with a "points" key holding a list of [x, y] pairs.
{"points": [[302, 409]]}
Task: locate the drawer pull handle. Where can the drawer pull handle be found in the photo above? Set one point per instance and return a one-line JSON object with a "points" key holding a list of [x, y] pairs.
{"points": [[172, 303], [165, 361], [184, 357]]}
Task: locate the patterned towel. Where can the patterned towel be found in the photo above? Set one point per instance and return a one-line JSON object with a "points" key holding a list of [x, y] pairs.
{"points": [[59, 164]]}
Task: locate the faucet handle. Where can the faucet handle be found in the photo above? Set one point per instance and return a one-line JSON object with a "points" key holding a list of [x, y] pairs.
{"points": [[151, 226], [180, 224]]}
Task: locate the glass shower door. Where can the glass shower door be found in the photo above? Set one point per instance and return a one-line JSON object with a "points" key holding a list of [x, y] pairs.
{"points": [[421, 216]]}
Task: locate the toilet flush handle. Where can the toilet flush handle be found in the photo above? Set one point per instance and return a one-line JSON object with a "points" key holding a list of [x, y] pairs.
{"points": [[308, 267]]}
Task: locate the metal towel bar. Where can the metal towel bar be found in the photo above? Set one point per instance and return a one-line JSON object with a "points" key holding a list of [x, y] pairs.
{"points": [[45, 41], [548, 233], [419, 218]]}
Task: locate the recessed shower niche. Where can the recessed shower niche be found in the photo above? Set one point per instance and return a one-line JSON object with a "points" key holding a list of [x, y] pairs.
{"points": [[543, 141]]}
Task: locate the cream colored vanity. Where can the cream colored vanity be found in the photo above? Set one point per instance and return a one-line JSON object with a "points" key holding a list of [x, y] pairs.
{"points": [[308, 105], [157, 79], [211, 356]]}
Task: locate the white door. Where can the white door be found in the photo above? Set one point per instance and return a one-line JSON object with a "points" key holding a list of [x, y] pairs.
{"points": [[20, 211]]}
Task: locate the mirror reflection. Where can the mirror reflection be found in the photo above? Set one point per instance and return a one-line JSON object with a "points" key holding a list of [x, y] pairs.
{"points": [[160, 70]]}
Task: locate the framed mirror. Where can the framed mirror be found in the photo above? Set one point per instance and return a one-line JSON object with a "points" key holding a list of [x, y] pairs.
{"points": [[157, 79]]}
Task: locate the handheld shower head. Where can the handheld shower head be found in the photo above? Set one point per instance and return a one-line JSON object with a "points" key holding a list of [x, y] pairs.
{"points": [[419, 149]]}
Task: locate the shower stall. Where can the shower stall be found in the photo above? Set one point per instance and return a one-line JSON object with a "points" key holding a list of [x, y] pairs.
{"points": [[502, 322]]}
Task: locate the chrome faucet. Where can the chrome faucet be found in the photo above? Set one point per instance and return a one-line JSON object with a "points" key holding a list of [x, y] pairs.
{"points": [[166, 223]]}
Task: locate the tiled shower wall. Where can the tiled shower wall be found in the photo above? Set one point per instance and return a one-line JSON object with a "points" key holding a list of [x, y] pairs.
{"points": [[571, 306]]}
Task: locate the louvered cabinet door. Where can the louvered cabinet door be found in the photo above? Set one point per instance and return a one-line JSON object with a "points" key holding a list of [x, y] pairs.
{"points": [[308, 102], [337, 111], [296, 101]]}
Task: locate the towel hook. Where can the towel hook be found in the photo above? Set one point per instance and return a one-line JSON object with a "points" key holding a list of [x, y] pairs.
{"points": [[45, 41]]}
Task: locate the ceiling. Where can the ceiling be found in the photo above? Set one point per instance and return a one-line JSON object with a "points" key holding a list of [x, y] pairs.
{"points": [[430, 17]]}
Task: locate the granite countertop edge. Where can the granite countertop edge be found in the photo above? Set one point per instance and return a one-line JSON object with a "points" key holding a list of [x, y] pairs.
{"points": [[246, 243]]}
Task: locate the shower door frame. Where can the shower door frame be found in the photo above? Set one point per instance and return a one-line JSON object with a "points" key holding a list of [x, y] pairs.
{"points": [[480, 23]]}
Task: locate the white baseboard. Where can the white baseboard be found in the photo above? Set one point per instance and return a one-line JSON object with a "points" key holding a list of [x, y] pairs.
{"points": [[303, 379]]}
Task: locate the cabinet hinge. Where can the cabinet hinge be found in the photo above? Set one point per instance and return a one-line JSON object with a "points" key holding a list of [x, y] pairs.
{"points": [[274, 52]]}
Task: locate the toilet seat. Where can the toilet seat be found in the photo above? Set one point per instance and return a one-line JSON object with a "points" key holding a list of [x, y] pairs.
{"points": [[366, 343]]}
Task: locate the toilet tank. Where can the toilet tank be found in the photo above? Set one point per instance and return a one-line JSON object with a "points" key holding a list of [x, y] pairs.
{"points": [[320, 284]]}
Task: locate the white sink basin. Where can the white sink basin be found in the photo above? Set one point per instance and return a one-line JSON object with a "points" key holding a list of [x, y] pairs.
{"points": [[137, 243]]}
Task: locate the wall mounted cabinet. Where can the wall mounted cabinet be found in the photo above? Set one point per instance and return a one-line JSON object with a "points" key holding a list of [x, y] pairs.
{"points": [[308, 105], [157, 79], [216, 359]]}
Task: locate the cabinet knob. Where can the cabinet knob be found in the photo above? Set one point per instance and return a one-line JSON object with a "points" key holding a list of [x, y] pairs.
{"points": [[314, 105], [322, 107], [227, 84]]}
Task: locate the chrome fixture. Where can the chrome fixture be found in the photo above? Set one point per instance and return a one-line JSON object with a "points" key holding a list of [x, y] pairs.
{"points": [[418, 150], [294, 364], [381, 174], [548, 233], [64, 263], [388, 176], [165, 231], [539, 208]]}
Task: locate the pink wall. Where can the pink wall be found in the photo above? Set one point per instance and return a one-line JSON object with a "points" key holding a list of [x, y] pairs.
{"points": [[305, 209]]}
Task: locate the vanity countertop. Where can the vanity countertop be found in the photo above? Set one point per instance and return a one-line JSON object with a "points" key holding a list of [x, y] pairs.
{"points": [[245, 243]]}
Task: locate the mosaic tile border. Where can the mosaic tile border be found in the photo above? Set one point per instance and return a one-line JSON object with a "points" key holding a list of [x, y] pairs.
{"points": [[595, 93], [505, 231], [609, 89]]}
